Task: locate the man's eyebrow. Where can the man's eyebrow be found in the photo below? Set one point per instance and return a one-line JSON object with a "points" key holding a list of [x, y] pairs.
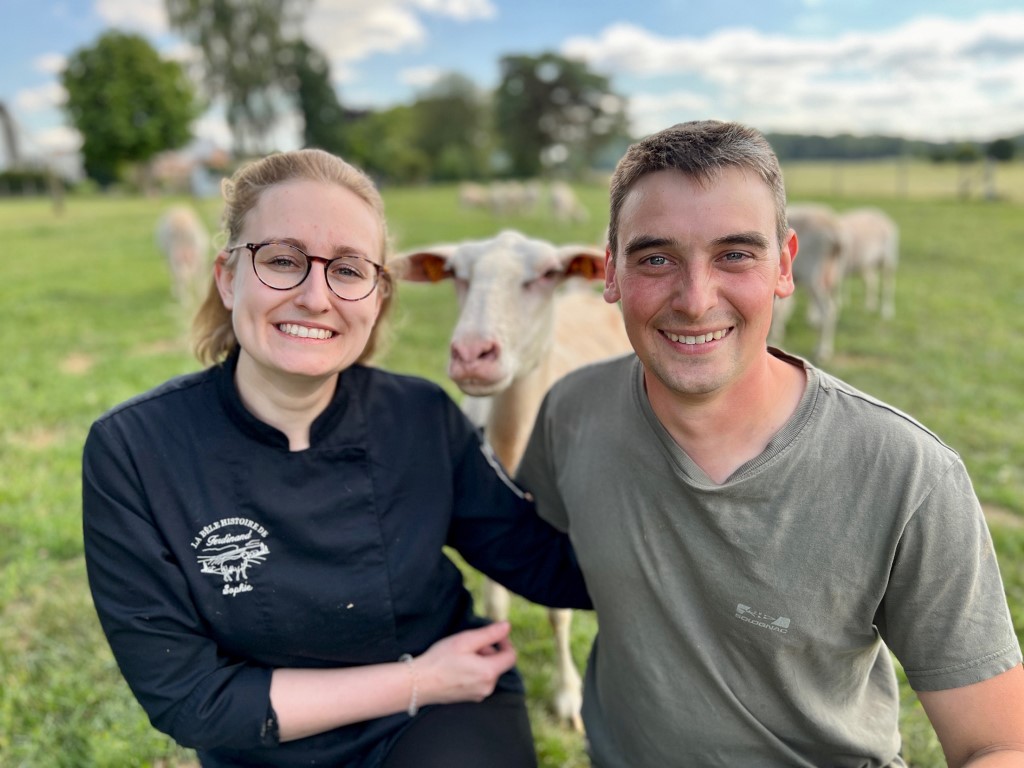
{"points": [[643, 242], [752, 238]]}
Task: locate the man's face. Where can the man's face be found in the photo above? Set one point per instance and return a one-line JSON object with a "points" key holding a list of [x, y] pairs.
{"points": [[697, 271]]}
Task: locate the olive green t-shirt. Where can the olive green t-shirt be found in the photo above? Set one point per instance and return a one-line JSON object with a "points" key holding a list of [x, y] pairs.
{"points": [[749, 623]]}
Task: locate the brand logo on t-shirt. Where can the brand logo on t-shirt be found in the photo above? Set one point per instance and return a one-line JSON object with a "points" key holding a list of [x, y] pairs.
{"points": [[229, 548], [764, 620]]}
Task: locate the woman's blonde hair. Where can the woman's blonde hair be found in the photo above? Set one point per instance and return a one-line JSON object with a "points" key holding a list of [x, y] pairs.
{"points": [[212, 333]]}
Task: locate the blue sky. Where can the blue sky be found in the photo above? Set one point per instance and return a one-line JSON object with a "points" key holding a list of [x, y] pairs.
{"points": [[931, 69]]}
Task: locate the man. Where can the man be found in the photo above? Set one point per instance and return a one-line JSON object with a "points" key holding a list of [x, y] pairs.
{"points": [[756, 534]]}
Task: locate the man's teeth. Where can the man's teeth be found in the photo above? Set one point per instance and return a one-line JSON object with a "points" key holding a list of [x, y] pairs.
{"points": [[702, 339], [303, 332]]}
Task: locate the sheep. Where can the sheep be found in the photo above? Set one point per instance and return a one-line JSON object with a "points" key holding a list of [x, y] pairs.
{"points": [[873, 240], [472, 195], [501, 198], [185, 243], [516, 334], [818, 269], [565, 206], [506, 197]]}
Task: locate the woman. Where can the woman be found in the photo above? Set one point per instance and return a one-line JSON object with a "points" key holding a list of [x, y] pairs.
{"points": [[264, 538]]}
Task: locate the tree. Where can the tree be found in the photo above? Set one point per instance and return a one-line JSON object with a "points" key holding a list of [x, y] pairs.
{"points": [[552, 112], [323, 116], [1001, 150], [383, 144], [127, 102], [998, 151], [247, 46], [451, 129]]}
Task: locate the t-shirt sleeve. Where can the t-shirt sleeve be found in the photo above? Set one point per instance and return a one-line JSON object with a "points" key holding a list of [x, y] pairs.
{"points": [[189, 687], [536, 470], [944, 613]]}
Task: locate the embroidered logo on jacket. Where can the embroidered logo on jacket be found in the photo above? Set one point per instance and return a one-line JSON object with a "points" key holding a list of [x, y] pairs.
{"points": [[229, 548]]}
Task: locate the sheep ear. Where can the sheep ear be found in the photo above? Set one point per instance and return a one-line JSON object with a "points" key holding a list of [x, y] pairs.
{"points": [[429, 266], [582, 261]]}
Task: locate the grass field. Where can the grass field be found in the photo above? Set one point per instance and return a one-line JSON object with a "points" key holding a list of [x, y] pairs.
{"points": [[89, 322]]}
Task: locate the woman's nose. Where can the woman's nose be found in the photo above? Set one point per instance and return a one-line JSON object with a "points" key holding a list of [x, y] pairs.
{"points": [[314, 292]]}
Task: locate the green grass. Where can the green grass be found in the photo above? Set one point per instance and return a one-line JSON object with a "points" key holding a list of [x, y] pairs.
{"points": [[89, 322]]}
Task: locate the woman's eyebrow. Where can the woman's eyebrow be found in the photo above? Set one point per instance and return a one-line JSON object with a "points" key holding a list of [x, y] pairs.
{"points": [[337, 252]]}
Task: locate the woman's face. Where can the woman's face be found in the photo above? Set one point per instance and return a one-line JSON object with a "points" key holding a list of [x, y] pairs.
{"points": [[305, 331]]}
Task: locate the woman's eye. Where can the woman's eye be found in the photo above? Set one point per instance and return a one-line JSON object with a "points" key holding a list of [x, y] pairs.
{"points": [[347, 271]]}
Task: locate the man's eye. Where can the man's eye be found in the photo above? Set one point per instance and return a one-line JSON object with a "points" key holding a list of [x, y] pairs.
{"points": [[656, 261], [734, 256]]}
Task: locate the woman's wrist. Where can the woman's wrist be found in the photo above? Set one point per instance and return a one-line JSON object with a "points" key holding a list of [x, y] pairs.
{"points": [[414, 693]]}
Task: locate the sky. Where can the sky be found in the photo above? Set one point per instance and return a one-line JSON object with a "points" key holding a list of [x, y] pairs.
{"points": [[941, 70]]}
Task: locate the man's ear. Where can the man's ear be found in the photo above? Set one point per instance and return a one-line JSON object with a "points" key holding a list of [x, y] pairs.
{"points": [[225, 278], [612, 294], [787, 256]]}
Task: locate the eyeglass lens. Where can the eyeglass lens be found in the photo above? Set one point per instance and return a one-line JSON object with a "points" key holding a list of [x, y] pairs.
{"points": [[282, 266]]}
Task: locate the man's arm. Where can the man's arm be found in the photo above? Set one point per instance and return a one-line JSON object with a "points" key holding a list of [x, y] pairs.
{"points": [[980, 724]]}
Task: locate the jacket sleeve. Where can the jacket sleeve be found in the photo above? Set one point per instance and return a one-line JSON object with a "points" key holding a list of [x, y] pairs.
{"points": [[495, 527], [190, 688]]}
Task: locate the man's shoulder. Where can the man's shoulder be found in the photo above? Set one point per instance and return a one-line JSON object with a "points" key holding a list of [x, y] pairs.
{"points": [[875, 416], [607, 371], [596, 379]]}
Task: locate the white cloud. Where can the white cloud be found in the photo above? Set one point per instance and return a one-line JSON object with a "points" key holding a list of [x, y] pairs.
{"points": [[420, 77], [930, 78], [349, 31], [50, 63], [58, 140], [148, 16], [463, 10], [40, 98]]}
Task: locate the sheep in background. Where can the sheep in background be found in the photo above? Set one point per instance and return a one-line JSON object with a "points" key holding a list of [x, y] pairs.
{"points": [[818, 269], [185, 243], [516, 334], [873, 240], [502, 198], [565, 206], [507, 198], [473, 195]]}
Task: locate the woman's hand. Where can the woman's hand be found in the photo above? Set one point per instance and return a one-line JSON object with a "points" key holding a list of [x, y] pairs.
{"points": [[464, 666]]}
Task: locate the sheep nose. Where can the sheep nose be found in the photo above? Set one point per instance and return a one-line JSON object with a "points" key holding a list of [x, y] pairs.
{"points": [[477, 350]]}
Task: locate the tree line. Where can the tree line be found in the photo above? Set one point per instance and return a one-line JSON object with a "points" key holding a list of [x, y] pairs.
{"points": [[791, 146], [549, 115]]}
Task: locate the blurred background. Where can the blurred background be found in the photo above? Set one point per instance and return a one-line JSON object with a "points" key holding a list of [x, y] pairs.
{"points": [[472, 115], [162, 92]]}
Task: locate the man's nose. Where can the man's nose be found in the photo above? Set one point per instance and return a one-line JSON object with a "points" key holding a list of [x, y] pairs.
{"points": [[695, 292]]}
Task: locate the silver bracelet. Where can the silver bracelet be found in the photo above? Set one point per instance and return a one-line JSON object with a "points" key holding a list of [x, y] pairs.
{"points": [[414, 706]]}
